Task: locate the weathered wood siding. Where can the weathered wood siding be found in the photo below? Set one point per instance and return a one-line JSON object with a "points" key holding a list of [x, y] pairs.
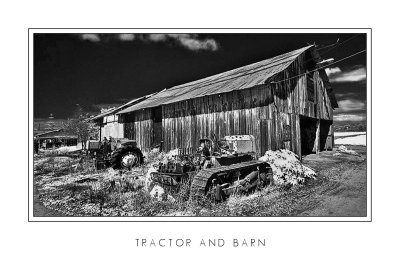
{"points": [[270, 112], [139, 127], [291, 95], [238, 112]]}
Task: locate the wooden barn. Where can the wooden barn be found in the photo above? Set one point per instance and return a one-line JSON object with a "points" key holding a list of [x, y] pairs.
{"points": [[284, 102]]}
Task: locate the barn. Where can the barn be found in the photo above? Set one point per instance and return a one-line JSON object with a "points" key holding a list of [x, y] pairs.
{"points": [[284, 102]]}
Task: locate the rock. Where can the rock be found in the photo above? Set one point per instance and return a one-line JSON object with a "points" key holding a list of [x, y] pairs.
{"points": [[343, 149], [157, 192], [148, 182]]}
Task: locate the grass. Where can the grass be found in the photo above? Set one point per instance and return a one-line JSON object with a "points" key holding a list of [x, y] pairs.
{"points": [[73, 187]]}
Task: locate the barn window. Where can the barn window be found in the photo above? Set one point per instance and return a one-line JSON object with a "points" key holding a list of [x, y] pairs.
{"points": [[310, 87]]}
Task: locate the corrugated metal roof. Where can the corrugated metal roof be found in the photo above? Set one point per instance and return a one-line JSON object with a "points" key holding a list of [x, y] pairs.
{"points": [[236, 79]]}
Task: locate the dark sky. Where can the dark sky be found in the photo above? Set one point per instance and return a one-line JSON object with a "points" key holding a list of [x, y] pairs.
{"points": [[92, 69]]}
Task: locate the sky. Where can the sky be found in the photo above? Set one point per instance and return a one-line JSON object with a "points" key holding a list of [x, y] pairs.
{"points": [[101, 70]]}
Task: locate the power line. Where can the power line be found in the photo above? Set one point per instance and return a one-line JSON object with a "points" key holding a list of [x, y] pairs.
{"points": [[231, 74], [333, 46], [355, 54], [338, 44]]}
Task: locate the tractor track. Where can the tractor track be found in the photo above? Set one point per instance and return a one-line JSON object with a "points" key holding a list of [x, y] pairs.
{"points": [[203, 178]]}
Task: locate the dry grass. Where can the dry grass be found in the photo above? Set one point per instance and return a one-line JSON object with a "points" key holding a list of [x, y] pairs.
{"points": [[73, 187]]}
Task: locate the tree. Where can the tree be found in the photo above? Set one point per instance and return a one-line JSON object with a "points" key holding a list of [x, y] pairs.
{"points": [[81, 126]]}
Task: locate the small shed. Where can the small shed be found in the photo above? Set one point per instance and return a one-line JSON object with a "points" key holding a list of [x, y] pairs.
{"points": [[56, 138], [109, 122]]}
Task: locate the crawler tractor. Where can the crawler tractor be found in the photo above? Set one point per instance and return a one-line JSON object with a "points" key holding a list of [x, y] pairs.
{"points": [[218, 169]]}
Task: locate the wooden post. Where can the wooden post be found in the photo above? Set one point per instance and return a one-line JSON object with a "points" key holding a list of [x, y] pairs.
{"points": [[317, 137], [298, 137]]}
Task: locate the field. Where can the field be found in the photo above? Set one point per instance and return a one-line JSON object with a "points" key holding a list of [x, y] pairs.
{"points": [[351, 138], [68, 186]]}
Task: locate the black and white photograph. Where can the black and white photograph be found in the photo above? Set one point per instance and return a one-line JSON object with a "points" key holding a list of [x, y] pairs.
{"points": [[200, 124], [187, 133]]}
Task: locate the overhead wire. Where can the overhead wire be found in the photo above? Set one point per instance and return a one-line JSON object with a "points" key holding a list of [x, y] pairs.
{"points": [[337, 44], [322, 67]]}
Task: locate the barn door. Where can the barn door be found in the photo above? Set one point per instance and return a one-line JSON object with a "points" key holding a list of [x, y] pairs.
{"points": [[308, 131], [326, 135], [129, 126], [157, 126]]}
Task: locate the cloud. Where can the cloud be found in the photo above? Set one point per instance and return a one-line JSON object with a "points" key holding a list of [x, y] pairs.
{"points": [[346, 95], [356, 74], [349, 117], [350, 110], [156, 37], [126, 36], [93, 37], [332, 71], [194, 44], [350, 105], [187, 40]]}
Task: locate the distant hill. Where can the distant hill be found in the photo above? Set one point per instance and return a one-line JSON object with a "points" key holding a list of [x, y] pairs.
{"points": [[350, 126]]}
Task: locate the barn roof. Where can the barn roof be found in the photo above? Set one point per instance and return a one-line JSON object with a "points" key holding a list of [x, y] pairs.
{"points": [[237, 79], [116, 109]]}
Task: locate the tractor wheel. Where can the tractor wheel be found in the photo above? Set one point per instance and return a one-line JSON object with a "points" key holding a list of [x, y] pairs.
{"points": [[126, 158]]}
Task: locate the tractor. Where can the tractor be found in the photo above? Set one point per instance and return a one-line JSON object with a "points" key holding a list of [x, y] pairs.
{"points": [[120, 154], [217, 169]]}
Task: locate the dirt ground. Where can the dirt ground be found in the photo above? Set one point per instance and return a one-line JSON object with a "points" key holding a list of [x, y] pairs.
{"points": [[344, 190]]}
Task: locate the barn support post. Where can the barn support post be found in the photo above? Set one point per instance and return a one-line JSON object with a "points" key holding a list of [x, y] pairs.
{"points": [[317, 137]]}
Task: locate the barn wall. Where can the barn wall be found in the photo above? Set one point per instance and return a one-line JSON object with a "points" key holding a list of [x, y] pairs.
{"points": [[139, 127], [292, 95], [112, 127], [238, 112], [307, 96]]}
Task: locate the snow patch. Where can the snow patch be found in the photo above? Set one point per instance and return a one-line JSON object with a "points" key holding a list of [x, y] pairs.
{"points": [[360, 140]]}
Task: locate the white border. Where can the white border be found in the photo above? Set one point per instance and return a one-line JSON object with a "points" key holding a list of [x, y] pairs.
{"points": [[202, 219]]}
